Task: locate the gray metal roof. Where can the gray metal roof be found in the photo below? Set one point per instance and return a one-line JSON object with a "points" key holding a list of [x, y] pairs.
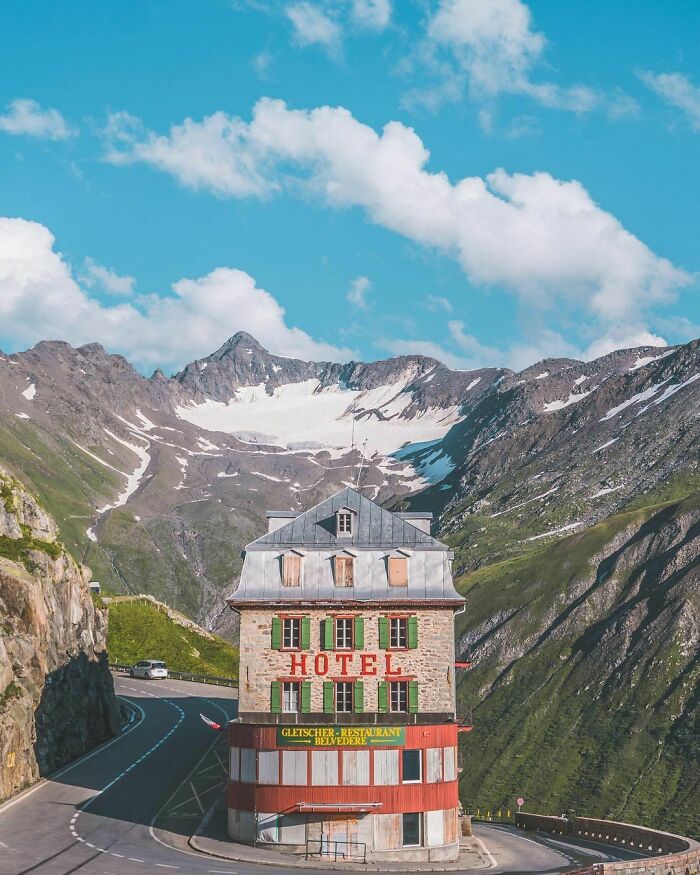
{"points": [[373, 527]]}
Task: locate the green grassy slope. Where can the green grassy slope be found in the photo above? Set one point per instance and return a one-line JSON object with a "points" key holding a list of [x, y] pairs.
{"points": [[586, 689], [140, 630]]}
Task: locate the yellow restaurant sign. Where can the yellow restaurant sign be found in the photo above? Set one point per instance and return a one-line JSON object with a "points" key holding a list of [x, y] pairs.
{"points": [[340, 736]]}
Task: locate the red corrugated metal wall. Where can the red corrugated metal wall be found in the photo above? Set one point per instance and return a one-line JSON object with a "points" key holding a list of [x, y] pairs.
{"points": [[395, 798]]}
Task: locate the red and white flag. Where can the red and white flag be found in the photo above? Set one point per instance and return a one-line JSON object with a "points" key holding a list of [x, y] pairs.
{"points": [[210, 723]]}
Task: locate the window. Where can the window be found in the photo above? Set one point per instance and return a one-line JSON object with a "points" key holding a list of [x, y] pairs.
{"points": [[398, 697], [291, 697], [343, 633], [344, 526], [411, 830], [343, 697], [398, 633], [291, 633], [291, 570], [398, 571], [411, 762], [344, 571]]}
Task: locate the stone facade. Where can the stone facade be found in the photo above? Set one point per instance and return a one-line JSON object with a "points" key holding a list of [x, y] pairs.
{"points": [[431, 663]]}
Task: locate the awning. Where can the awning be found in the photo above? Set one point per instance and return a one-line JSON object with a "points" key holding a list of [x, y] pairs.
{"points": [[338, 807]]}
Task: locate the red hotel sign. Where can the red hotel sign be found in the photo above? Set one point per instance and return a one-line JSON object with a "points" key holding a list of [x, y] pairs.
{"points": [[356, 664]]}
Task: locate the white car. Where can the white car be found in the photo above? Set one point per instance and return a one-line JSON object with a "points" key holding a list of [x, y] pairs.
{"points": [[149, 669]]}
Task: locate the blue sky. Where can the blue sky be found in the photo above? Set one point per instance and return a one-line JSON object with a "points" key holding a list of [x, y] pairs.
{"points": [[487, 181]]}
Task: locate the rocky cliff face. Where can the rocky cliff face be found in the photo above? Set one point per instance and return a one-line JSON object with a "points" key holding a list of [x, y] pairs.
{"points": [[56, 693]]}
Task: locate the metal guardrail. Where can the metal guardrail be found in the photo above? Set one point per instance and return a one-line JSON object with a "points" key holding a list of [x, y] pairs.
{"points": [[489, 814], [325, 851], [183, 676]]}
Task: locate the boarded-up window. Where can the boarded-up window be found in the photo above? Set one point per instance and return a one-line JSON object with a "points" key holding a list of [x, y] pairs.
{"points": [[355, 768], [294, 768], [291, 570], [387, 832], [344, 571], [450, 763], [386, 767], [398, 571], [433, 765], [434, 828], [267, 828], [235, 757], [268, 767], [248, 765], [450, 826], [324, 768]]}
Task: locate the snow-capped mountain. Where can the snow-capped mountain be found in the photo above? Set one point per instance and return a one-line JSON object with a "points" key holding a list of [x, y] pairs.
{"points": [[159, 482]]}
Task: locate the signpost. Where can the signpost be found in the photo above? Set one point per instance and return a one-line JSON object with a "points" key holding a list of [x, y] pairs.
{"points": [[340, 736], [520, 802]]}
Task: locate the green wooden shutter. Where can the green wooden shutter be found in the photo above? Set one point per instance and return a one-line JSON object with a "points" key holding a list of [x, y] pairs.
{"points": [[275, 697], [412, 697], [383, 697], [412, 633], [359, 633], [305, 633], [305, 697], [328, 697], [276, 642], [384, 633], [328, 634], [358, 697]]}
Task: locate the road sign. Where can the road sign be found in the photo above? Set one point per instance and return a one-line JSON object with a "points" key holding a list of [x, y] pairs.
{"points": [[520, 802]]}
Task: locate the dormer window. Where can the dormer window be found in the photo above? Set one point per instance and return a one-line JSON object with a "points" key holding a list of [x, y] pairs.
{"points": [[344, 523], [344, 570], [291, 569], [397, 568]]}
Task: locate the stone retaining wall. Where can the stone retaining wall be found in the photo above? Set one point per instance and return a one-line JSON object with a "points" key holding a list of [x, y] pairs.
{"points": [[668, 854]]}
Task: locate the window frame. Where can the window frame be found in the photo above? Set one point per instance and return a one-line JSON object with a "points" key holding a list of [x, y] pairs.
{"points": [[417, 815], [345, 620], [401, 620], [291, 647], [343, 518], [402, 688], [291, 684], [345, 685], [419, 752]]}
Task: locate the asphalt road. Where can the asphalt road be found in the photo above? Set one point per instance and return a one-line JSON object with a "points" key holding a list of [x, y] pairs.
{"points": [[97, 816]]}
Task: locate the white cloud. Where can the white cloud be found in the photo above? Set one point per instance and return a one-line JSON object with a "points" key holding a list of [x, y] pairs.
{"points": [[438, 302], [357, 294], [677, 90], [492, 39], [42, 300], [95, 275], [212, 154], [543, 239], [27, 117], [492, 45], [625, 337], [261, 64], [313, 26], [373, 14]]}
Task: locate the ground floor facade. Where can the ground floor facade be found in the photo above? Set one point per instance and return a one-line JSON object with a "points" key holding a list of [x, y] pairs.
{"points": [[355, 792]]}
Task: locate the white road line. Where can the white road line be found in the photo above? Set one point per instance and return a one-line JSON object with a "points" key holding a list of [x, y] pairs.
{"points": [[129, 768]]}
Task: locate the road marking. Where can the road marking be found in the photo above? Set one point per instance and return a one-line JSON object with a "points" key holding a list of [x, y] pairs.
{"points": [[128, 769], [166, 866], [75, 763]]}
